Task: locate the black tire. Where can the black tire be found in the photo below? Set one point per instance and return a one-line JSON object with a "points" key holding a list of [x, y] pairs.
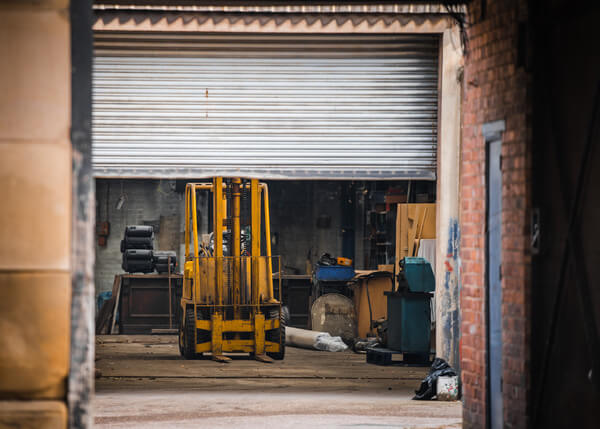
{"points": [[181, 336], [146, 243], [189, 335], [162, 257], [144, 255], [278, 335], [285, 313], [139, 230], [137, 267], [164, 268]]}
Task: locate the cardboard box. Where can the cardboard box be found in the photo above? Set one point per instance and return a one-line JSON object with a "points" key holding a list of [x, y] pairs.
{"points": [[376, 287], [388, 267]]}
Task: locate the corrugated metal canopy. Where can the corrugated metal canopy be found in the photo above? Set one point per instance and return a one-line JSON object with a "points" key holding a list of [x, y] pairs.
{"points": [[269, 106], [286, 6]]}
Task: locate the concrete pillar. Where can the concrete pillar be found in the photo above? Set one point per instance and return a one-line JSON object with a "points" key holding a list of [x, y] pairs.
{"points": [[35, 213], [81, 370], [448, 233]]}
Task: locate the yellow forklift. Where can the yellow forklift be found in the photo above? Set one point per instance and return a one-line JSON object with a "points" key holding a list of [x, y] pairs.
{"points": [[228, 304]]}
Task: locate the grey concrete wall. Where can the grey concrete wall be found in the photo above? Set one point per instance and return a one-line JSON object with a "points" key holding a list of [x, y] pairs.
{"points": [[146, 201], [295, 208]]}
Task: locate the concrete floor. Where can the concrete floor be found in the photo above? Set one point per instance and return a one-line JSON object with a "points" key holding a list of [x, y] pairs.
{"points": [[144, 383]]}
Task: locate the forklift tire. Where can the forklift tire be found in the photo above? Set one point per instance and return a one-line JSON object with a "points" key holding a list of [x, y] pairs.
{"points": [[180, 339], [189, 335], [181, 336], [274, 334]]}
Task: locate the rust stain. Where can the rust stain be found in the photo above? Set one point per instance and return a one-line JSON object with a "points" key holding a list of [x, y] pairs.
{"points": [[335, 309]]}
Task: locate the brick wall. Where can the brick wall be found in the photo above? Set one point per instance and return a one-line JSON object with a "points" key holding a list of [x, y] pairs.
{"points": [[495, 88]]}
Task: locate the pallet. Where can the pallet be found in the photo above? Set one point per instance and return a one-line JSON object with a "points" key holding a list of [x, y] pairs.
{"points": [[383, 356]]}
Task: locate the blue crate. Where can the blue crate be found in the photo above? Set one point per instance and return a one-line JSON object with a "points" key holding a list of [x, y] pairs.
{"points": [[334, 273]]}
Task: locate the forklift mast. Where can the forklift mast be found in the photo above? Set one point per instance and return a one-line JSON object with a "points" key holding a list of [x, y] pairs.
{"points": [[228, 302]]}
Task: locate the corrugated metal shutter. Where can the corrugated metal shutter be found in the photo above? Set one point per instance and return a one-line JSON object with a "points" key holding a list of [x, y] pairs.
{"points": [[270, 106]]}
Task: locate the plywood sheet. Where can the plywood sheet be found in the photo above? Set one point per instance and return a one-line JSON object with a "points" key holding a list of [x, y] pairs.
{"points": [[377, 287], [413, 222]]}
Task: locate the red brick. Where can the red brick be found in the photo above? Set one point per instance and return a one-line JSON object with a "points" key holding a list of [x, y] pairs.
{"points": [[501, 93]]}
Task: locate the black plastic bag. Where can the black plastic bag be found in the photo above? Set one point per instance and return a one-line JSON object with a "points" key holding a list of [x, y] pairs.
{"points": [[428, 388], [327, 260]]}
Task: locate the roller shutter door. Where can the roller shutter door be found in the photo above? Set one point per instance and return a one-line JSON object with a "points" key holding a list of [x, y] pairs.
{"points": [[269, 106]]}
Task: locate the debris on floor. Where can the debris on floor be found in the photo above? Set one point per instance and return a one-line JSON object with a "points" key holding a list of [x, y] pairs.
{"points": [[360, 345], [316, 340], [431, 386], [317, 389], [331, 344], [447, 388]]}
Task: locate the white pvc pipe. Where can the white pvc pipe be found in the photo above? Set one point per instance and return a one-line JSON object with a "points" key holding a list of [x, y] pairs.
{"points": [[303, 338]]}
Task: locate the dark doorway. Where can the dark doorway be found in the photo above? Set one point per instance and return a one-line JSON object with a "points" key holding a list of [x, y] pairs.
{"points": [[565, 244]]}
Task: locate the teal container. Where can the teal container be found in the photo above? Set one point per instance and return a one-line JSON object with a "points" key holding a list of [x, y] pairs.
{"points": [[409, 313], [409, 322], [419, 275]]}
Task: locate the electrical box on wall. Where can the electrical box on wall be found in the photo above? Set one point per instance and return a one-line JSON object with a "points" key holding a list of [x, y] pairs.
{"points": [[102, 232]]}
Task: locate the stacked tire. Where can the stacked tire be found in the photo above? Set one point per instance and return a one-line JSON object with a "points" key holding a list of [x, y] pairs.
{"points": [[137, 248], [161, 261], [138, 261], [138, 237]]}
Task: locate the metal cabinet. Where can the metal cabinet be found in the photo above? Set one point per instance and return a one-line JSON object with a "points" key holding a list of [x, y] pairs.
{"points": [[144, 302]]}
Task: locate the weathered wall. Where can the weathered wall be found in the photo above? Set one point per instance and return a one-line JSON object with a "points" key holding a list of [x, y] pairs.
{"points": [[80, 388], [295, 207], [447, 283], [495, 88], [35, 214], [146, 201]]}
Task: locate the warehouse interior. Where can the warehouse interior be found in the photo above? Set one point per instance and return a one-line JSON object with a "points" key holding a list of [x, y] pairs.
{"points": [[342, 129], [308, 218], [510, 171], [136, 362], [338, 115]]}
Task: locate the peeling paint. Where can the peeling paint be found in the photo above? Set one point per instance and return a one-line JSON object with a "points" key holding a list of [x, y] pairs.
{"points": [[450, 322], [448, 231]]}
